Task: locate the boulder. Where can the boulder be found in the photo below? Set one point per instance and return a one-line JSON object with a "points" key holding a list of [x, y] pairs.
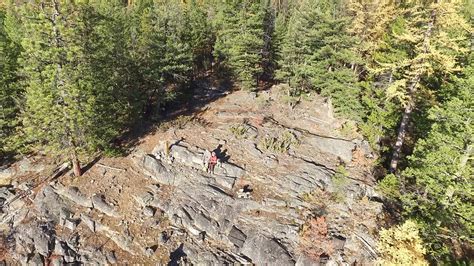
{"points": [[263, 250], [337, 147], [149, 211], [99, 203], [225, 181], [74, 195], [229, 169], [237, 237], [28, 165], [157, 171], [49, 204]]}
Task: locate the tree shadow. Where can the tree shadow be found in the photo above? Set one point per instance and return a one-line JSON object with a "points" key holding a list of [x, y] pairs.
{"points": [[88, 166], [192, 102]]}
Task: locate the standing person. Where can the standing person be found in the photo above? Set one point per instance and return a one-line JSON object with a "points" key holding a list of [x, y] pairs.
{"points": [[212, 163]]}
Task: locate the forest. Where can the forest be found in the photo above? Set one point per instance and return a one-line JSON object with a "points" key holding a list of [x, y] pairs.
{"points": [[78, 74]]}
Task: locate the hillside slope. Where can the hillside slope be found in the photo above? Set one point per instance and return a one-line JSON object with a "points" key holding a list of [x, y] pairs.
{"points": [[290, 188]]}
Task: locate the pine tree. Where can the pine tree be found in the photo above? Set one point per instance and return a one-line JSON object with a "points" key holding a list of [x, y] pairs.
{"points": [[68, 107], [317, 54], [240, 40], [161, 55], [10, 92], [439, 179], [199, 35]]}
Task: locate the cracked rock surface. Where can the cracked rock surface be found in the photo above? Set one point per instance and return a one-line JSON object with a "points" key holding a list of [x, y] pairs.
{"points": [[278, 169]]}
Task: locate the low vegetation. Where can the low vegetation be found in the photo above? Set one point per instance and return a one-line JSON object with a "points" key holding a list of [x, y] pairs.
{"points": [[279, 144]]}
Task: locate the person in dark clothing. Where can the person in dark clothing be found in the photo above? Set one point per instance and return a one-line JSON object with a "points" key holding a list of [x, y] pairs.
{"points": [[212, 163]]}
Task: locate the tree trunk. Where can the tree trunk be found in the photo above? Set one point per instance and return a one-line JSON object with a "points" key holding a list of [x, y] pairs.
{"points": [[76, 165], [402, 130], [59, 67]]}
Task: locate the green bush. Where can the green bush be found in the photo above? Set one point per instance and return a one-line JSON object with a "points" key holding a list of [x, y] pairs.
{"points": [[389, 187], [239, 130], [279, 144]]}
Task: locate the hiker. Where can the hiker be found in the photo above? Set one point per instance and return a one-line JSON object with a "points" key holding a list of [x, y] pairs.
{"points": [[212, 163]]}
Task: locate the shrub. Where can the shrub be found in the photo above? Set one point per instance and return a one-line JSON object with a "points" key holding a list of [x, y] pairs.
{"points": [[239, 130], [279, 144], [339, 181], [314, 240], [389, 186], [401, 245]]}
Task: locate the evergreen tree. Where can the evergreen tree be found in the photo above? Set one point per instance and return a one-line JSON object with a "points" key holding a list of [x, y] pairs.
{"points": [[439, 180], [68, 106], [10, 92], [161, 55], [240, 40], [199, 35], [317, 54]]}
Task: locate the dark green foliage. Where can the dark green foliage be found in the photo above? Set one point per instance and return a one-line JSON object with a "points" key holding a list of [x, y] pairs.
{"points": [[439, 178], [72, 105], [72, 83], [240, 40], [199, 35], [317, 54], [160, 52], [10, 92]]}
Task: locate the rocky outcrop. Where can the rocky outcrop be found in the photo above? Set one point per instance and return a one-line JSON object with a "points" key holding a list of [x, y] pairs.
{"points": [[163, 207]]}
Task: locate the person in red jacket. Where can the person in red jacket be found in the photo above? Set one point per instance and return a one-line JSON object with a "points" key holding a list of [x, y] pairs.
{"points": [[212, 163]]}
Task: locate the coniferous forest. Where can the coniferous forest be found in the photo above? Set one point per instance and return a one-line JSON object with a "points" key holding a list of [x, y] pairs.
{"points": [[78, 74]]}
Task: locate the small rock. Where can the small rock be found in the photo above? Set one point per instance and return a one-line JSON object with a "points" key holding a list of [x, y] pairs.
{"points": [[149, 252], [6, 175], [71, 224], [149, 211], [270, 162], [37, 259], [111, 258]]}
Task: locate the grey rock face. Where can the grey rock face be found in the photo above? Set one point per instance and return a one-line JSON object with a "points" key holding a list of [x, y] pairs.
{"points": [[263, 250], [336, 147], [99, 203], [237, 237], [156, 169], [75, 195]]}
